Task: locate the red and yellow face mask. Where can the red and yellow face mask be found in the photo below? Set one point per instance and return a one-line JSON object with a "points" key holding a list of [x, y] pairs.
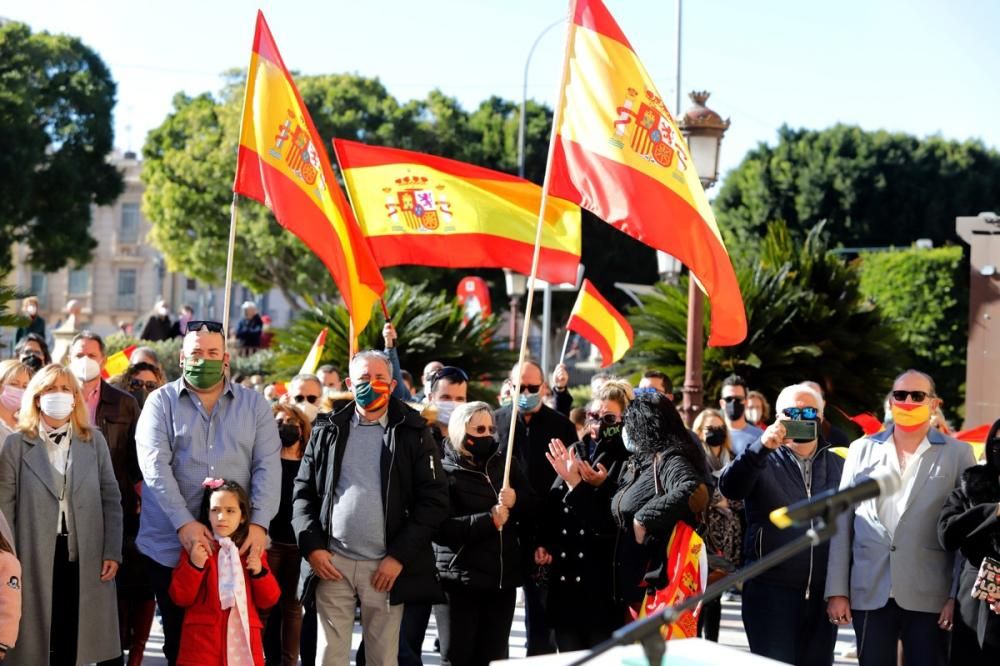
{"points": [[909, 417], [372, 395]]}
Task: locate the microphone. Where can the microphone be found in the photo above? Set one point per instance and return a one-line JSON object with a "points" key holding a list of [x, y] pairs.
{"points": [[882, 482]]}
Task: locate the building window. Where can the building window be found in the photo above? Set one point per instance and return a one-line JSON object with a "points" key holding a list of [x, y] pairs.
{"points": [[192, 284], [129, 231], [40, 288], [126, 288], [79, 282]]}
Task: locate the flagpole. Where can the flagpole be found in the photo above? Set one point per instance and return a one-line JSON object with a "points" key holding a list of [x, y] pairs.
{"points": [[227, 296], [526, 328], [562, 356]]}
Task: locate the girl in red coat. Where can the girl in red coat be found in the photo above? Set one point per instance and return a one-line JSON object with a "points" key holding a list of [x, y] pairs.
{"points": [[221, 591]]}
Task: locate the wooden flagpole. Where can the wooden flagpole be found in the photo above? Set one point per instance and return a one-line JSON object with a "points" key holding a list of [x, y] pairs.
{"points": [[526, 329], [227, 296]]}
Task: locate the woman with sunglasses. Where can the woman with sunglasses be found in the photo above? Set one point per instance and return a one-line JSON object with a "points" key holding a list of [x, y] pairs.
{"points": [[581, 608], [478, 548], [139, 379], [773, 472]]}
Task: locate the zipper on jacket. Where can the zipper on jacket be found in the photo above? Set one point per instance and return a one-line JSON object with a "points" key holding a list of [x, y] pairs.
{"points": [[385, 509], [811, 549], [489, 482]]}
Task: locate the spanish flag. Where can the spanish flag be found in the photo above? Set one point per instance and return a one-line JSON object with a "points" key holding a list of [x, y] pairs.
{"points": [[421, 209], [117, 363], [618, 153], [312, 359], [597, 321], [282, 164]]}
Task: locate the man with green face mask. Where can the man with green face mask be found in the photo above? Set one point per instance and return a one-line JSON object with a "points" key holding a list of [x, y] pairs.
{"points": [[201, 425]]}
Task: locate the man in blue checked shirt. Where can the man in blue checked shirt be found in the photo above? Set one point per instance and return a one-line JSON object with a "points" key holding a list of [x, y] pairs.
{"points": [[201, 425]]}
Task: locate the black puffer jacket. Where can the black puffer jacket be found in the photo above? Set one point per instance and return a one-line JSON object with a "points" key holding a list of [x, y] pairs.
{"points": [[468, 547], [414, 494], [969, 524]]}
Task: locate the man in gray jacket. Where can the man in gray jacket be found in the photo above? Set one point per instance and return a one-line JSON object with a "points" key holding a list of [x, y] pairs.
{"points": [[887, 573]]}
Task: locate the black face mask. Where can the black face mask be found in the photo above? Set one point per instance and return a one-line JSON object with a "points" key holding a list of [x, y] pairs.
{"points": [[289, 434], [715, 435], [607, 431], [993, 454], [32, 361], [140, 396], [481, 448], [734, 410]]}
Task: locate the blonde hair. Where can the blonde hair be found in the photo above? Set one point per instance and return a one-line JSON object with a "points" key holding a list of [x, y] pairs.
{"points": [[31, 414], [460, 418], [699, 429], [10, 368], [615, 390]]}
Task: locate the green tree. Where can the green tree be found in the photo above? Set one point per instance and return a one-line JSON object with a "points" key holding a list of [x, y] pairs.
{"points": [[807, 320], [873, 188], [924, 295], [429, 325], [56, 98]]}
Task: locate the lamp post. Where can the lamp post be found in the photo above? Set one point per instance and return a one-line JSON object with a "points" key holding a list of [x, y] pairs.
{"points": [[703, 130], [517, 286]]}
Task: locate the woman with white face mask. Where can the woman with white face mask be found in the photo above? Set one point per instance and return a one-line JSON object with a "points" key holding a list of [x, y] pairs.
{"points": [[59, 493], [36, 324], [14, 377]]}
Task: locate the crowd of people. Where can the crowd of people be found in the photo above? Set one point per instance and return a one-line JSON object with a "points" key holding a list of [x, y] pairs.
{"points": [[264, 527]]}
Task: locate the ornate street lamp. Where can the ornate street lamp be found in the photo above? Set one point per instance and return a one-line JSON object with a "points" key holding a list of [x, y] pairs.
{"points": [[703, 129], [517, 286]]}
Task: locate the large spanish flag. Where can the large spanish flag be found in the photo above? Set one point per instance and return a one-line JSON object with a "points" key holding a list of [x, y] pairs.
{"points": [[620, 154], [598, 321], [283, 165], [421, 209]]}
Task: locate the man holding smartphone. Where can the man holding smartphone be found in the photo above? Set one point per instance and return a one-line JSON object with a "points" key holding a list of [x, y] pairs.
{"points": [[790, 462]]}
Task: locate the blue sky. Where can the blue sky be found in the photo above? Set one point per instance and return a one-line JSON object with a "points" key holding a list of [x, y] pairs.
{"points": [[917, 66]]}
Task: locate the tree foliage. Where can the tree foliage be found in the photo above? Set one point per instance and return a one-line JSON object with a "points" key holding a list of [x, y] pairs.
{"points": [[807, 321], [924, 295], [873, 188], [429, 325], [56, 97]]}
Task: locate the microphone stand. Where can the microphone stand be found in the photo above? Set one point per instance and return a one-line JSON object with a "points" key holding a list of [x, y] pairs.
{"points": [[647, 630]]}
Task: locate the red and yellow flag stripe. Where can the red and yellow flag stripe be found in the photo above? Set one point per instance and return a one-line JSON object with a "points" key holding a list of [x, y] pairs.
{"points": [[283, 165], [601, 324], [620, 154], [422, 209]]}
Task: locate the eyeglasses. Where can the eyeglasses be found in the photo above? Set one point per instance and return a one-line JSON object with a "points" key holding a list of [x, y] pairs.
{"points": [[800, 413], [198, 324], [137, 384], [607, 419], [450, 372], [482, 430], [531, 388], [734, 398], [311, 398], [918, 396]]}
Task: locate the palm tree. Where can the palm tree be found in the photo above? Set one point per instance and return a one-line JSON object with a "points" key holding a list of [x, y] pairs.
{"points": [[430, 327], [806, 319], [8, 307]]}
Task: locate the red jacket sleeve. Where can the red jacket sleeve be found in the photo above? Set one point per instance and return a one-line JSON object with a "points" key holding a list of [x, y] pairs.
{"points": [[264, 590], [186, 581]]}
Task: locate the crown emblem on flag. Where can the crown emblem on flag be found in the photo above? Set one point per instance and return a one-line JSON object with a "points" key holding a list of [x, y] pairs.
{"points": [[293, 144], [414, 205], [645, 126]]}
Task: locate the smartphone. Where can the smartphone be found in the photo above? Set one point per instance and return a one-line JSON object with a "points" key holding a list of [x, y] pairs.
{"points": [[800, 431]]}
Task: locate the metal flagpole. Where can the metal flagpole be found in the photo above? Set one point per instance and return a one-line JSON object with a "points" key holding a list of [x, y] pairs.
{"points": [[227, 296], [526, 329]]}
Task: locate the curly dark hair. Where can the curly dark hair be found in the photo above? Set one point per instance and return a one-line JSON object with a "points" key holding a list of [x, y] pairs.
{"points": [[654, 426], [241, 532]]}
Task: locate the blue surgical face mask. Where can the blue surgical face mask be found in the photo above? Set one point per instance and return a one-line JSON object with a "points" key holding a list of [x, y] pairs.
{"points": [[629, 446], [528, 402]]}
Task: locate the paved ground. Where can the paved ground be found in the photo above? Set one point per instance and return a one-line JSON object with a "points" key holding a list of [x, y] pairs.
{"points": [[731, 634]]}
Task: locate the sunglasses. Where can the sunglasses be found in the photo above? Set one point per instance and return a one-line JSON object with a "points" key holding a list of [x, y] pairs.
{"points": [[918, 396], [482, 430], [311, 398], [531, 388], [734, 398], [450, 372], [645, 390], [607, 419], [800, 413], [198, 324], [137, 384]]}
